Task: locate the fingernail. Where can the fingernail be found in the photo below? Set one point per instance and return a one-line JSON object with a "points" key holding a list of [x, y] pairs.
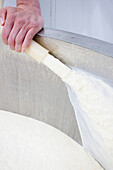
{"points": [[1, 21]]}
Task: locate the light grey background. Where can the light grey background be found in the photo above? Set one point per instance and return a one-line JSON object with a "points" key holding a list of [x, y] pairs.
{"points": [[93, 18]]}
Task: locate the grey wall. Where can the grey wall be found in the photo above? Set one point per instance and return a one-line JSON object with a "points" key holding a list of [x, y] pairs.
{"points": [[88, 17]]}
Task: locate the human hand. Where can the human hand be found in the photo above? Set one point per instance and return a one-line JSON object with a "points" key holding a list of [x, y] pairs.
{"points": [[20, 25]]}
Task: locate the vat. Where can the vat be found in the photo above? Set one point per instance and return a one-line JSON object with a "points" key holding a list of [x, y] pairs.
{"points": [[31, 89]]}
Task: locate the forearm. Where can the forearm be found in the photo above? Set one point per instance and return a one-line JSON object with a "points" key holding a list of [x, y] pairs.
{"points": [[29, 2]]}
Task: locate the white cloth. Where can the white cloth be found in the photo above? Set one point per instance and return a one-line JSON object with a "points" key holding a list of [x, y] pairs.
{"points": [[92, 100]]}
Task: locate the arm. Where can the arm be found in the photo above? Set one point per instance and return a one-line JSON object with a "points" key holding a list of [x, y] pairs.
{"points": [[21, 23], [31, 2]]}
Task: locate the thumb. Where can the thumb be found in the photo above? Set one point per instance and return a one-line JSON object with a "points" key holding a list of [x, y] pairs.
{"points": [[3, 14]]}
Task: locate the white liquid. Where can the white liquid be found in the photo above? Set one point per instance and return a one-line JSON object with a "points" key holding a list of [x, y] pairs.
{"points": [[92, 100]]}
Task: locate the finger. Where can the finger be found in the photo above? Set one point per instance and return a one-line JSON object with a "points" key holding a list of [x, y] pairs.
{"points": [[13, 34], [3, 14], [28, 38], [7, 28], [6, 31], [20, 38]]}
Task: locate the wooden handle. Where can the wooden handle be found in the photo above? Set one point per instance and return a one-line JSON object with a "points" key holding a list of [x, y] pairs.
{"points": [[35, 50]]}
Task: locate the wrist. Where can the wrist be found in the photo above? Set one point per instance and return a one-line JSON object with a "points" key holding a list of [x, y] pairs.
{"points": [[32, 3], [29, 5]]}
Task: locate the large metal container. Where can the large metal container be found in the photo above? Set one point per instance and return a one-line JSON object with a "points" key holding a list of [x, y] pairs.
{"points": [[31, 89]]}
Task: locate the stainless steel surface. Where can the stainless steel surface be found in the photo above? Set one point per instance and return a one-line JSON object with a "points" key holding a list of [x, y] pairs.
{"points": [[80, 40], [86, 53]]}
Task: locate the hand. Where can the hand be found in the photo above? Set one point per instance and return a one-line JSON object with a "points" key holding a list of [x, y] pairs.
{"points": [[20, 25]]}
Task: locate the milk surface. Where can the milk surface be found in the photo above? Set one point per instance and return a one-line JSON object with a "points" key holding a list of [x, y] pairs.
{"points": [[92, 100]]}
